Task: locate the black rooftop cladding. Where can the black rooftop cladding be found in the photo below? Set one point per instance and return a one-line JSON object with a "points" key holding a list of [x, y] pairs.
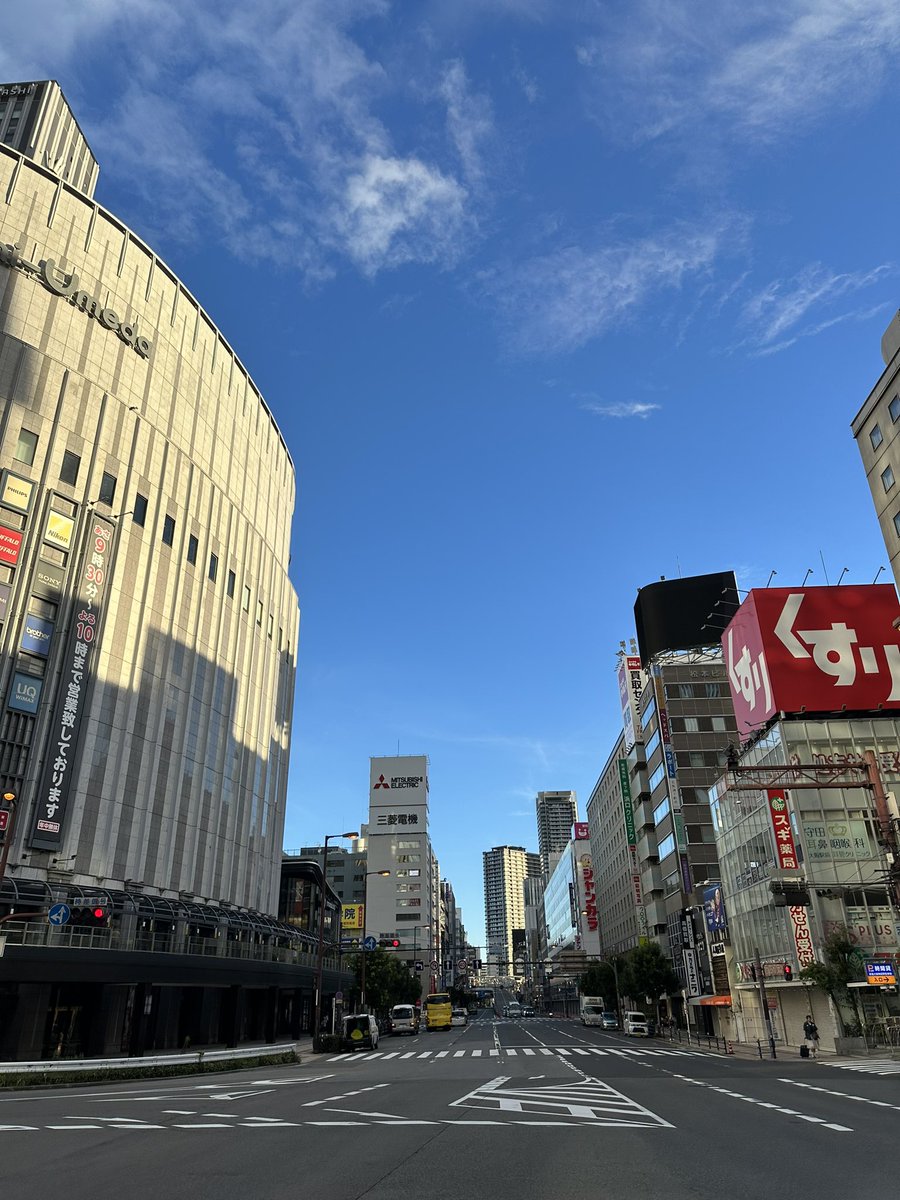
{"points": [[24, 891], [34, 893]]}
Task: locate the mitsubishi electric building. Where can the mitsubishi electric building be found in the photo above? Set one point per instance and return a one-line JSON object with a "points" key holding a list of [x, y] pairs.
{"points": [[149, 635]]}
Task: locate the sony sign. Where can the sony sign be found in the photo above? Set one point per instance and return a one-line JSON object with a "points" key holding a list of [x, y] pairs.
{"points": [[66, 285]]}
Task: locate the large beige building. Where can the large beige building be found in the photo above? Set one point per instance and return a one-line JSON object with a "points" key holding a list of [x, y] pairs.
{"points": [[876, 428], [149, 627]]}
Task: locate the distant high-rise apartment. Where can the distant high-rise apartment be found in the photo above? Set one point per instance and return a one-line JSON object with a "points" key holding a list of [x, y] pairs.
{"points": [[556, 814], [505, 870]]}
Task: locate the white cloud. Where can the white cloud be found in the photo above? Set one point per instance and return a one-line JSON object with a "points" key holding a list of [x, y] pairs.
{"points": [[776, 314], [622, 408], [470, 121], [759, 70], [559, 301], [400, 210], [290, 153]]}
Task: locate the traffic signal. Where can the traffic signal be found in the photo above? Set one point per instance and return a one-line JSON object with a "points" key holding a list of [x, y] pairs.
{"points": [[94, 916], [390, 943], [788, 971]]}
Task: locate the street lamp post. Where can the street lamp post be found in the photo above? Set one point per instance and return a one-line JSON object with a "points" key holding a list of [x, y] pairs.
{"points": [[362, 965], [320, 950], [9, 798]]}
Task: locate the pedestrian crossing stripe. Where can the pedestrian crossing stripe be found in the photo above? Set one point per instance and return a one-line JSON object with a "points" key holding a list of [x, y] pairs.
{"points": [[872, 1066], [625, 1052]]}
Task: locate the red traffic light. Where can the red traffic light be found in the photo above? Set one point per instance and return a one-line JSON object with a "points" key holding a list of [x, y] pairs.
{"points": [[788, 972], [99, 913]]}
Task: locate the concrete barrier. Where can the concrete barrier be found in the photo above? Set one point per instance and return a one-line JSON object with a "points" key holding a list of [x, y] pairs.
{"points": [[193, 1058]]}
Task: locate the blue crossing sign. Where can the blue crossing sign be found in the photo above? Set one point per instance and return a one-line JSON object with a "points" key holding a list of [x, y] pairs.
{"points": [[59, 914]]}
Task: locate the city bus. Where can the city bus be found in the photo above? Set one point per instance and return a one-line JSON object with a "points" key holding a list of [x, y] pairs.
{"points": [[438, 1011]]}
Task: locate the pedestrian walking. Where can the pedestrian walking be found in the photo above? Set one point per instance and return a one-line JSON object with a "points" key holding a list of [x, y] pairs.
{"points": [[811, 1035]]}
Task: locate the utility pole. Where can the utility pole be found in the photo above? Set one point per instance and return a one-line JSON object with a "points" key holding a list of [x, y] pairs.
{"points": [[764, 1001]]}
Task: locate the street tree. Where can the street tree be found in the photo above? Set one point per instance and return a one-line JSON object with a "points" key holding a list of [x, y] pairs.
{"points": [[840, 967], [649, 974], [388, 981]]}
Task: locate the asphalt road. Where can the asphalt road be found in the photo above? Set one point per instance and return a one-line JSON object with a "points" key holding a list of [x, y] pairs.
{"points": [[516, 1109]]}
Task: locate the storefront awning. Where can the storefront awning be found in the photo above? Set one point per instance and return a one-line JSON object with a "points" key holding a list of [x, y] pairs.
{"points": [[707, 1001]]}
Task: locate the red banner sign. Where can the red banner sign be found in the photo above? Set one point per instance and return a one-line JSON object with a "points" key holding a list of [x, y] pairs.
{"points": [[826, 649], [785, 849], [802, 936], [10, 545]]}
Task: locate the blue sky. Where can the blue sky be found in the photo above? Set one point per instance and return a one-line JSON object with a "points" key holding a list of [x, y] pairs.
{"points": [[548, 299]]}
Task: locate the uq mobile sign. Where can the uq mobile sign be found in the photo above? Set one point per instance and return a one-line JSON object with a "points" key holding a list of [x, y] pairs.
{"points": [[67, 285], [824, 649]]}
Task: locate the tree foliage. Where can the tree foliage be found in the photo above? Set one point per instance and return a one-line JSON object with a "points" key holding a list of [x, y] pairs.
{"points": [[649, 973], [840, 967], [600, 980], [388, 981]]}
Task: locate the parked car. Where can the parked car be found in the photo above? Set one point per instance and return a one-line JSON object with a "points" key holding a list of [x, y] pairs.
{"points": [[609, 1020], [459, 1016], [636, 1025], [404, 1019], [359, 1032]]}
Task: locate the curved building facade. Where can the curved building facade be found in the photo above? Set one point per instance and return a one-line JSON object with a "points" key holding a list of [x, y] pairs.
{"points": [[149, 627]]}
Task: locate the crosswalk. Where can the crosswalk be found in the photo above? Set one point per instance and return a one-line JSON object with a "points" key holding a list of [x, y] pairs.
{"points": [[872, 1066], [515, 1052]]}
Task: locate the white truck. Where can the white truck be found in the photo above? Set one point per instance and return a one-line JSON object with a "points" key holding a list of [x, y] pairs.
{"points": [[592, 1010]]}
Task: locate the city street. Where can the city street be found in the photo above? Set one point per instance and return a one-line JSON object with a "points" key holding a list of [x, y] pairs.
{"points": [[517, 1108]]}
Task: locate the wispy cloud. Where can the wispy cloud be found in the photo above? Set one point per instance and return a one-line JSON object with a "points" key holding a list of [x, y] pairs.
{"points": [[470, 122], [761, 70], [782, 312], [279, 145], [623, 408], [559, 301]]}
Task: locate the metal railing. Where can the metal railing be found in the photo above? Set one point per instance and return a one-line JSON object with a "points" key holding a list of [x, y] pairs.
{"points": [[702, 1040], [251, 948]]}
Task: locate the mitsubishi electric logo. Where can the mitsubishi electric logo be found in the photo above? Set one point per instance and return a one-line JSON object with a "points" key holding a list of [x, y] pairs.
{"points": [[382, 782]]}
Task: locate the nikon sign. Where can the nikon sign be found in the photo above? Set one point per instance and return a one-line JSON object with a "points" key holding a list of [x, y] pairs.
{"points": [[67, 285]]}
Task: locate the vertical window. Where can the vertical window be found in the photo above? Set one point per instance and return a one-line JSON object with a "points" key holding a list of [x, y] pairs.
{"points": [[894, 408], [26, 447], [876, 437], [259, 613], [139, 515], [168, 533], [269, 630], [69, 470], [213, 567], [229, 590], [897, 523], [245, 602], [192, 549], [107, 488], [887, 478], [280, 638]]}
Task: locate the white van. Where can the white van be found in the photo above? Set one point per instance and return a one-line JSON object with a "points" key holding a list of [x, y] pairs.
{"points": [[636, 1024], [404, 1019], [514, 1009]]}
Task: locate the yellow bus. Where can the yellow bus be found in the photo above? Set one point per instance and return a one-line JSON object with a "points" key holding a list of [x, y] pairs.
{"points": [[438, 1011]]}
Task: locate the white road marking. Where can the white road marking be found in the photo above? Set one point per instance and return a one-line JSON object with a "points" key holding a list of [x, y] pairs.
{"points": [[393, 1054], [591, 1100], [789, 1112], [872, 1066], [408, 1054], [442, 1054], [844, 1095], [425, 1054], [458, 1053], [527, 1050]]}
